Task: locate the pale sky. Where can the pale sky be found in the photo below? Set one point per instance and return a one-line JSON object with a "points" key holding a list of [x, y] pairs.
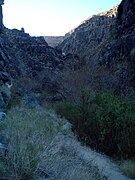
{"points": [[51, 17]]}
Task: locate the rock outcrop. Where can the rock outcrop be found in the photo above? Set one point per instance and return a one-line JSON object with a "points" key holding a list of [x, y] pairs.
{"points": [[119, 54], [31, 58], [105, 43], [33, 66], [92, 32], [5, 79], [125, 17], [1, 15]]}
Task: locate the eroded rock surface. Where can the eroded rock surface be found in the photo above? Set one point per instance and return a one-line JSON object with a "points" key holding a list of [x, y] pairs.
{"points": [[106, 45]]}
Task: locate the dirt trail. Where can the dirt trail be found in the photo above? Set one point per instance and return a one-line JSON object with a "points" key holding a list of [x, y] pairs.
{"points": [[105, 166]]}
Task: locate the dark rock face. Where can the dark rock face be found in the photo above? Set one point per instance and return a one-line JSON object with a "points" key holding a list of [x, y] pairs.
{"points": [[29, 54], [31, 58], [5, 79], [103, 45], [1, 14], [126, 17], [106, 43], [32, 65], [120, 56]]}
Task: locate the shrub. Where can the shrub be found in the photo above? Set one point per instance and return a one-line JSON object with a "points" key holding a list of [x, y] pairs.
{"points": [[104, 121], [128, 167], [14, 101], [113, 121], [66, 109]]}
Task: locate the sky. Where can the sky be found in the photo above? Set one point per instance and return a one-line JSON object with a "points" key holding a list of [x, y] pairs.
{"points": [[51, 17]]}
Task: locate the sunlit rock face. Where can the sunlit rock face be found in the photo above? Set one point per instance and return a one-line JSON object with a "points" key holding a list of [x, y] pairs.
{"points": [[92, 32]]}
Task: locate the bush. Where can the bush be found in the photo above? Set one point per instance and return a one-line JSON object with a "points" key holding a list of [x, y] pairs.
{"points": [[14, 101], [111, 122], [104, 121], [66, 109]]}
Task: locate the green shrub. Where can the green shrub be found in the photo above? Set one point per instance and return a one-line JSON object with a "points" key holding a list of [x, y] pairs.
{"points": [[66, 109], [104, 121], [14, 101], [113, 121], [128, 168]]}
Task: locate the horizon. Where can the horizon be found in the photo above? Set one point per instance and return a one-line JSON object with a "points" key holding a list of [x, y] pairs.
{"points": [[51, 18]]}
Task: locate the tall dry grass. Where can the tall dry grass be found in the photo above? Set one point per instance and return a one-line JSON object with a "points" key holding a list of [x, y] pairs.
{"points": [[29, 132], [38, 148]]}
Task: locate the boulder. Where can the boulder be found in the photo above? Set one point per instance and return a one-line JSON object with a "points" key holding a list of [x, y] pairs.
{"points": [[54, 98], [2, 115], [30, 101]]}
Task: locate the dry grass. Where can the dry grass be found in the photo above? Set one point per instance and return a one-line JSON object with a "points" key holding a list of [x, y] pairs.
{"points": [[29, 132], [37, 148], [128, 168]]}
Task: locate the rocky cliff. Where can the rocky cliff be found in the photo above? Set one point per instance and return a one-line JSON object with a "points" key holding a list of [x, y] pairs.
{"points": [[125, 17], [105, 43], [92, 32], [32, 65], [119, 54], [5, 79], [30, 58], [99, 53]]}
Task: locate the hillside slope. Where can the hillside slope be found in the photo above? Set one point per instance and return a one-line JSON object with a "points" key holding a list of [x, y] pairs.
{"points": [[92, 32], [105, 43]]}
